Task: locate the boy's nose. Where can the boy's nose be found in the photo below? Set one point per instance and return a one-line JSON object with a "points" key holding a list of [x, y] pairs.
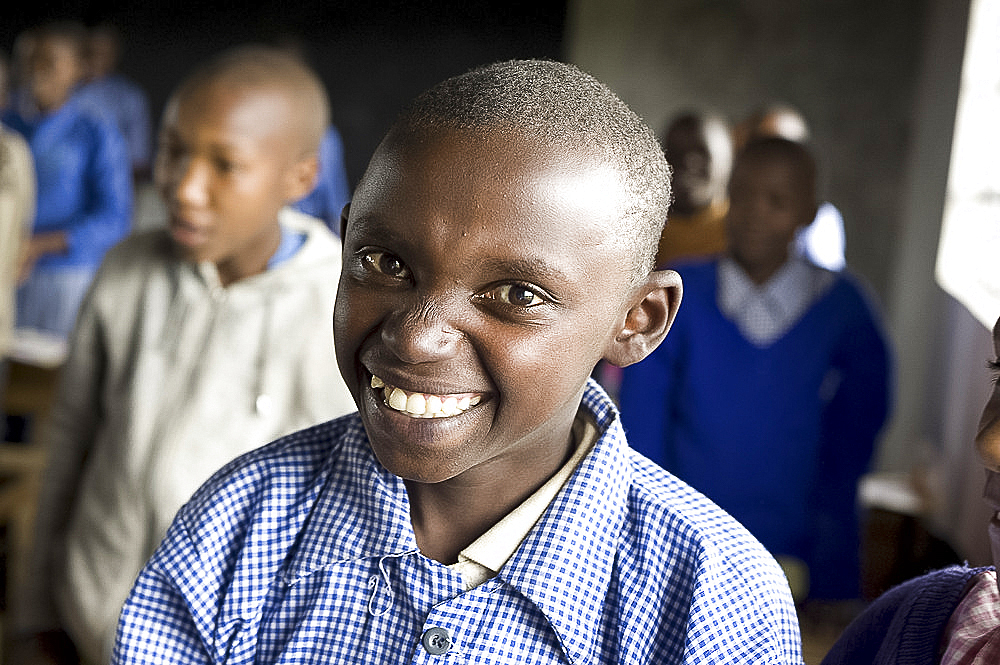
{"points": [[421, 334], [190, 182]]}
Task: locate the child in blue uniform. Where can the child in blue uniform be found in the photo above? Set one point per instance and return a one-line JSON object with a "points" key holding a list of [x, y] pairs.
{"points": [[84, 184], [769, 393], [483, 505]]}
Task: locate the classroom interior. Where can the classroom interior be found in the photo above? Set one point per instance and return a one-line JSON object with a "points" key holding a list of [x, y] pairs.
{"points": [[878, 82]]}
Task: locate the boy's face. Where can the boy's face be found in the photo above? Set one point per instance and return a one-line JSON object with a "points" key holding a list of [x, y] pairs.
{"points": [[228, 161], [701, 165], [54, 68], [483, 282], [768, 203]]}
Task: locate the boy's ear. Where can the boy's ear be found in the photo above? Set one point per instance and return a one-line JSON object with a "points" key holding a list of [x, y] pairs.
{"points": [[649, 317], [302, 178]]}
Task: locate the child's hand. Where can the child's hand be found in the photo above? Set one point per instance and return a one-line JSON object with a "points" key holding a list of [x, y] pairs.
{"points": [[40, 244]]}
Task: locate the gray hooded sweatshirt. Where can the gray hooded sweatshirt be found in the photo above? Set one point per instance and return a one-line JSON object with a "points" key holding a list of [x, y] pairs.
{"points": [[170, 375]]}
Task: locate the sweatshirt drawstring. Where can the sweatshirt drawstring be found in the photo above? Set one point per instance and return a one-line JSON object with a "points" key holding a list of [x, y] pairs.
{"points": [[263, 402]]}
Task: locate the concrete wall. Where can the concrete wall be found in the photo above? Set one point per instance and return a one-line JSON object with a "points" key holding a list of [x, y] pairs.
{"points": [[878, 82], [850, 66]]}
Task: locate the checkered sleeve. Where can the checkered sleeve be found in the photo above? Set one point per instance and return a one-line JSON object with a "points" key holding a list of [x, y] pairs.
{"points": [[741, 612], [157, 624]]}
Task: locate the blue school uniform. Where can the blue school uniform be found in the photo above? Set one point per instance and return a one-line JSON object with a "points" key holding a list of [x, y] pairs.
{"points": [[303, 551], [85, 190], [777, 434]]}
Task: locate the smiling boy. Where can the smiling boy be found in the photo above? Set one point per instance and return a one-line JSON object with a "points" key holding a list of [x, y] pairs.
{"points": [[483, 505], [197, 343]]}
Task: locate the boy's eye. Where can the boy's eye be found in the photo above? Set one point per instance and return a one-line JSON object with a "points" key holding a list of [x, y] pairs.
{"points": [[171, 150], [223, 165], [517, 295], [387, 264]]}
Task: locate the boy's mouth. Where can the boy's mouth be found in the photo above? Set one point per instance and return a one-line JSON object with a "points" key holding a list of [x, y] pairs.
{"points": [[424, 405]]}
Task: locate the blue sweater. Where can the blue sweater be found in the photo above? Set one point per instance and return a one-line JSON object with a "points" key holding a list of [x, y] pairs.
{"points": [[778, 435], [905, 625], [84, 182]]}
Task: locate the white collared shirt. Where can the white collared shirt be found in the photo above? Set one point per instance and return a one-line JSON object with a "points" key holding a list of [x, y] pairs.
{"points": [[764, 313]]}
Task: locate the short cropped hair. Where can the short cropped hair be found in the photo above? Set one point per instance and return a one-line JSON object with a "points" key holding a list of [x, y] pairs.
{"points": [[258, 66], [560, 105], [774, 149], [71, 32]]}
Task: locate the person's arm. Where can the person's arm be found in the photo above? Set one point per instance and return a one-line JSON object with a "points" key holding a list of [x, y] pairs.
{"points": [[22, 171], [741, 609], [108, 215], [38, 245], [68, 436], [852, 420], [157, 624]]}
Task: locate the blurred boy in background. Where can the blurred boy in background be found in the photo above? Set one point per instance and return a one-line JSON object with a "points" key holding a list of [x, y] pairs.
{"points": [[699, 148], [105, 90], [770, 391], [196, 343]]}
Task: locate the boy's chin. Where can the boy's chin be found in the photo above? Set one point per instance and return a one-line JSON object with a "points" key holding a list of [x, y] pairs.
{"points": [[187, 252]]}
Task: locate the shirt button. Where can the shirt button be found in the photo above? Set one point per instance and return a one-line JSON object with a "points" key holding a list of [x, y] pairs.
{"points": [[436, 640]]}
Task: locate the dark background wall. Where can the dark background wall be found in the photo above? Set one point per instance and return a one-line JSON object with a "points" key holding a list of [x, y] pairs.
{"points": [[373, 56]]}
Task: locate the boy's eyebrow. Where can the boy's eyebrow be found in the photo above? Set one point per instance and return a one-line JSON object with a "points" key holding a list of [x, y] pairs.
{"points": [[528, 269], [523, 268]]}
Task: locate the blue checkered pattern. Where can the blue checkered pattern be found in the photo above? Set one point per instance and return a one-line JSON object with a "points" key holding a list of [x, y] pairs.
{"points": [[302, 552]]}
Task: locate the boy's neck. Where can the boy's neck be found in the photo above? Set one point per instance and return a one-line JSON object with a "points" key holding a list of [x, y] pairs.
{"points": [[449, 516], [48, 109], [247, 265], [760, 273]]}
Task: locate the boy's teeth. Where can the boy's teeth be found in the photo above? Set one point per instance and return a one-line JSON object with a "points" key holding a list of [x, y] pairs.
{"points": [[416, 404], [396, 398], [422, 405]]}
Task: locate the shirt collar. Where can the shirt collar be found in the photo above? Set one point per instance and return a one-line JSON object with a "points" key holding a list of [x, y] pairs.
{"points": [[486, 556], [765, 312]]}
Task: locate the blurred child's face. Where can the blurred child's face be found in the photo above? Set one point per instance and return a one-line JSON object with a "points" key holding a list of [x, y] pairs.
{"points": [[701, 166], [482, 282], [768, 203], [988, 439], [226, 164], [54, 69]]}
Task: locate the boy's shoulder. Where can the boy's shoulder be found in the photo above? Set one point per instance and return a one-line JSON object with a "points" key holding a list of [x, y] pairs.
{"points": [[674, 511], [686, 556], [320, 244], [276, 475]]}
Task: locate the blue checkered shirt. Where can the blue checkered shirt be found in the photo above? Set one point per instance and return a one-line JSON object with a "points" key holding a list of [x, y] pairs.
{"points": [[302, 552]]}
